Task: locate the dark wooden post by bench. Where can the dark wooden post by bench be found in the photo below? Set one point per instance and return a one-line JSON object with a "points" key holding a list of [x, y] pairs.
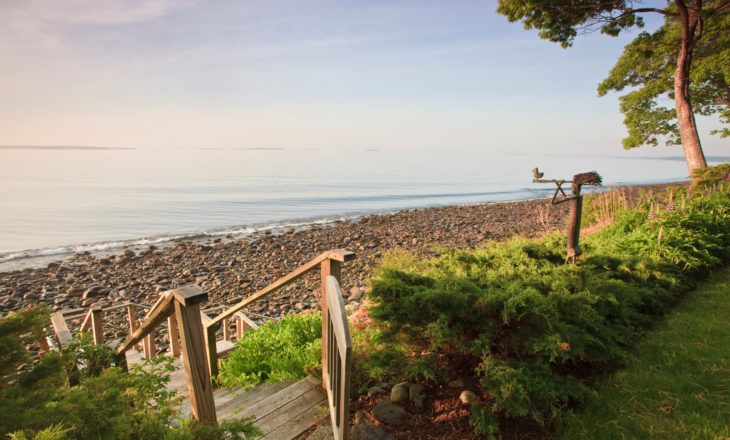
{"points": [[576, 207]]}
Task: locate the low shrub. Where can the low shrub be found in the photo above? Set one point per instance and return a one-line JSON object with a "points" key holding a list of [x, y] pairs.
{"points": [[289, 349], [543, 328]]}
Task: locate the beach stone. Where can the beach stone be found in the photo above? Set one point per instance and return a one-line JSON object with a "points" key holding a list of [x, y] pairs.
{"points": [[415, 393], [399, 392], [467, 397], [387, 412], [94, 290], [375, 391], [362, 429], [356, 293]]}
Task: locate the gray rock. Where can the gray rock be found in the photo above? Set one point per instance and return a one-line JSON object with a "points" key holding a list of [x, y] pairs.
{"points": [[323, 432], [362, 429], [75, 291], [389, 413], [375, 391], [400, 392], [418, 401], [94, 291], [356, 293], [415, 390]]}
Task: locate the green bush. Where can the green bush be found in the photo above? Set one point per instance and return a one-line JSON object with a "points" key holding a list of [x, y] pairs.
{"points": [[107, 403], [542, 327], [289, 349]]}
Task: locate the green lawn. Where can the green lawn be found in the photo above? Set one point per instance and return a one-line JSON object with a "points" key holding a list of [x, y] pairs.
{"points": [[677, 381]]}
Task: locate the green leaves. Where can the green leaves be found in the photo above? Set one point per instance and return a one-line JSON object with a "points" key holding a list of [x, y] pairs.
{"points": [[289, 349], [537, 324]]}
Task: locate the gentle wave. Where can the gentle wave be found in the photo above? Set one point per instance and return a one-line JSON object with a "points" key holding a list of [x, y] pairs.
{"points": [[239, 232], [247, 230]]}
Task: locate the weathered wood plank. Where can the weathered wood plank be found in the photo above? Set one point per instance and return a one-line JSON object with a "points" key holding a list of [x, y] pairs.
{"points": [[223, 347], [287, 413], [280, 399], [338, 349], [298, 424], [249, 398], [63, 334]]}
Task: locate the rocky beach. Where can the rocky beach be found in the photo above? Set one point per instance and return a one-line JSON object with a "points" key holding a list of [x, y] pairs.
{"points": [[230, 269]]}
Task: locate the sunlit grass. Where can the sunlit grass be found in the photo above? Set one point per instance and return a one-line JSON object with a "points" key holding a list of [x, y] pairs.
{"points": [[677, 381]]}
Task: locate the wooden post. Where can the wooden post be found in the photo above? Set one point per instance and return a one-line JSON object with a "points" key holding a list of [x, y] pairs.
{"points": [[239, 327], [97, 325], [328, 267], [211, 349], [576, 207], [187, 309], [133, 322], [148, 345], [174, 335], [226, 329]]}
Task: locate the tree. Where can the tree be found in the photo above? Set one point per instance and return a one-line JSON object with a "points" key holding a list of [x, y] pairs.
{"points": [[657, 65]]}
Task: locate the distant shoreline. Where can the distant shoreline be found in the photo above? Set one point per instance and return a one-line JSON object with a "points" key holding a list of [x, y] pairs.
{"points": [[60, 147]]}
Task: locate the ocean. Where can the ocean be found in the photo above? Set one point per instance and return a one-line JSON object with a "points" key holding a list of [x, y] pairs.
{"points": [[61, 200]]}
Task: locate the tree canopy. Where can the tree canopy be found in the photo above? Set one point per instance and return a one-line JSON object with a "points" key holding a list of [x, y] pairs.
{"points": [[686, 60], [647, 67]]}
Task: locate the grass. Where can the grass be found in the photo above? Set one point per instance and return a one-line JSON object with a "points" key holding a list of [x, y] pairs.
{"points": [[677, 381]]}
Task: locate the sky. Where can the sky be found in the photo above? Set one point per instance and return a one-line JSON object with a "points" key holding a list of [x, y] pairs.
{"points": [[407, 75]]}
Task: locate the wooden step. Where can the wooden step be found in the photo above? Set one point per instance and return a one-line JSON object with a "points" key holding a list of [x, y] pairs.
{"points": [[233, 408], [290, 411]]}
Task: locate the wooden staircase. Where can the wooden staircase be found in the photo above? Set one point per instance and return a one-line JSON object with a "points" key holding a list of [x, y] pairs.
{"points": [[282, 411]]}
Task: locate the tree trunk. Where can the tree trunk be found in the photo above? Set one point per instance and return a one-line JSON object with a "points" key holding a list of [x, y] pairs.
{"points": [[690, 20]]}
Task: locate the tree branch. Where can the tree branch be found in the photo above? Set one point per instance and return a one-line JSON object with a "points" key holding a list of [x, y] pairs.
{"points": [[719, 7]]}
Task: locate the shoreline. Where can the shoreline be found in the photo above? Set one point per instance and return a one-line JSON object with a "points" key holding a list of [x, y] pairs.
{"points": [[36, 258], [230, 269]]}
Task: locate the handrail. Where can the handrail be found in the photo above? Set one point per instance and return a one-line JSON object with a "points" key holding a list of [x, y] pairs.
{"points": [[338, 346], [341, 255], [329, 264], [159, 312]]}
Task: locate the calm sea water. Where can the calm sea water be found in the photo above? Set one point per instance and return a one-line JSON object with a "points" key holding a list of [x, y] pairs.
{"points": [[57, 201]]}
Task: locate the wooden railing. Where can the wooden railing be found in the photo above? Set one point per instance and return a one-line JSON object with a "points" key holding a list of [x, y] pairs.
{"points": [[183, 306], [338, 346], [192, 334], [330, 264], [93, 322]]}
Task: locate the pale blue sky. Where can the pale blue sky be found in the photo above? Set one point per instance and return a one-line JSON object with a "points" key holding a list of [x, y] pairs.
{"points": [[302, 74]]}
